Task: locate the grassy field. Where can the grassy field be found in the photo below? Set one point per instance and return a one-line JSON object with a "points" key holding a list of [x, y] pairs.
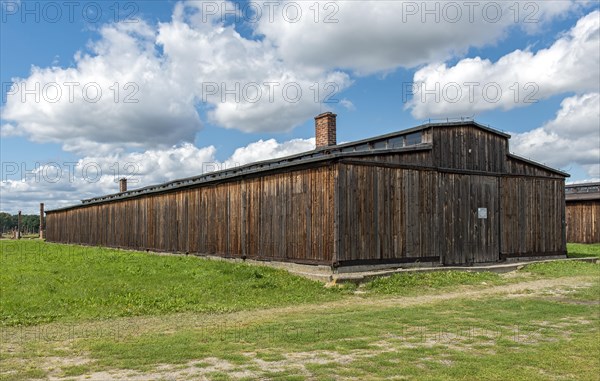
{"points": [[49, 282], [580, 250], [73, 313]]}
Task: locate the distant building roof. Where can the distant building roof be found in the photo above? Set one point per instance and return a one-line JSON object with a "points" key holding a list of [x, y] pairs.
{"points": [[582, 192]]}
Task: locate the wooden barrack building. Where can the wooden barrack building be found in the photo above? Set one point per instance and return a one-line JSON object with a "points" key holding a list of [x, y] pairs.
{"points": [[440, 193], [583, 212]]}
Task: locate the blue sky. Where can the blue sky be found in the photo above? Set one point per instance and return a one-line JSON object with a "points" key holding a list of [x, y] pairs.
{"points": [[176, 59]]}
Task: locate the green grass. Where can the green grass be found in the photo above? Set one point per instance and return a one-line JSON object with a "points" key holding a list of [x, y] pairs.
{"points": [[563, 268], [44, 282], [418, 283], [131, 311], [484, 339], [581, 250], [411, 283]]}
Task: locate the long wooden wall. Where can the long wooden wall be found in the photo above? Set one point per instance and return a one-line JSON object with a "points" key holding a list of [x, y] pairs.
{"points": [[532, 216], [284, 217], [583, 221]]}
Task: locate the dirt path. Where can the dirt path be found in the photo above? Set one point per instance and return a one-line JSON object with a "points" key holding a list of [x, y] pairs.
{"points": [[527, 288]]}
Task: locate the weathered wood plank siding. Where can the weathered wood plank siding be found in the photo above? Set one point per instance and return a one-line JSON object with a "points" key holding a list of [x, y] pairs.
{"points": [[583, 221], [418, 158], [532, 216], [518, 166], [463, 236], [284, 217], [385, 213], [469, 148]]}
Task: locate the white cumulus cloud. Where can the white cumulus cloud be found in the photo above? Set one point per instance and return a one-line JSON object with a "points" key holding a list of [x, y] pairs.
{"points": [[117, 95], [373, 36], [474, 85], [140, 87], [269, 149], [8, 129], [572, 137]]}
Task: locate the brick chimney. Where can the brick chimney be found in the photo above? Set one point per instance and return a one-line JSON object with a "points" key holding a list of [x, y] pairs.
{"points": [[325, 129], [122, 185]]}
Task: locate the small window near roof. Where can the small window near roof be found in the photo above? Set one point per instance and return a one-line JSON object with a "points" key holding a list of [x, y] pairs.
{"points": [[396, 142], [362, 147], [414, 138]]}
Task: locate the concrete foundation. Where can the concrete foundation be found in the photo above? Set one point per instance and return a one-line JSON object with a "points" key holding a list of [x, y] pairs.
{"points": [[364, 273]]}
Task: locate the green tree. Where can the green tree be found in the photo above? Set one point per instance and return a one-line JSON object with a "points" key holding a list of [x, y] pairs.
{"points": [[30, 223]]}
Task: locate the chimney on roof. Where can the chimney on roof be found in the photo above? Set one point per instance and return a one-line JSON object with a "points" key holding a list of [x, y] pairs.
{"points": [[325, 134], [122, 185]]}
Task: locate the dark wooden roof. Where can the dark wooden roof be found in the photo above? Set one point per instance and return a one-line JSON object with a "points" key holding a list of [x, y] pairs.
{"points": [[536, 164], [382, 144], [582, 192]]}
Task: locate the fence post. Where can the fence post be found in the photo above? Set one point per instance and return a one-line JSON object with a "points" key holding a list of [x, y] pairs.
{"points": [[42, 227], [19, 226]]}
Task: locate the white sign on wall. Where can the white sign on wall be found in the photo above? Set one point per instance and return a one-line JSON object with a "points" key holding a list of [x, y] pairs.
{"points": [[482, 213]]}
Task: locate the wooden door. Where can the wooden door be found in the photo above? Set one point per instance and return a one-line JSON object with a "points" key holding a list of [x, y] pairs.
{"points": [[468, 219], [483, 220]]}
